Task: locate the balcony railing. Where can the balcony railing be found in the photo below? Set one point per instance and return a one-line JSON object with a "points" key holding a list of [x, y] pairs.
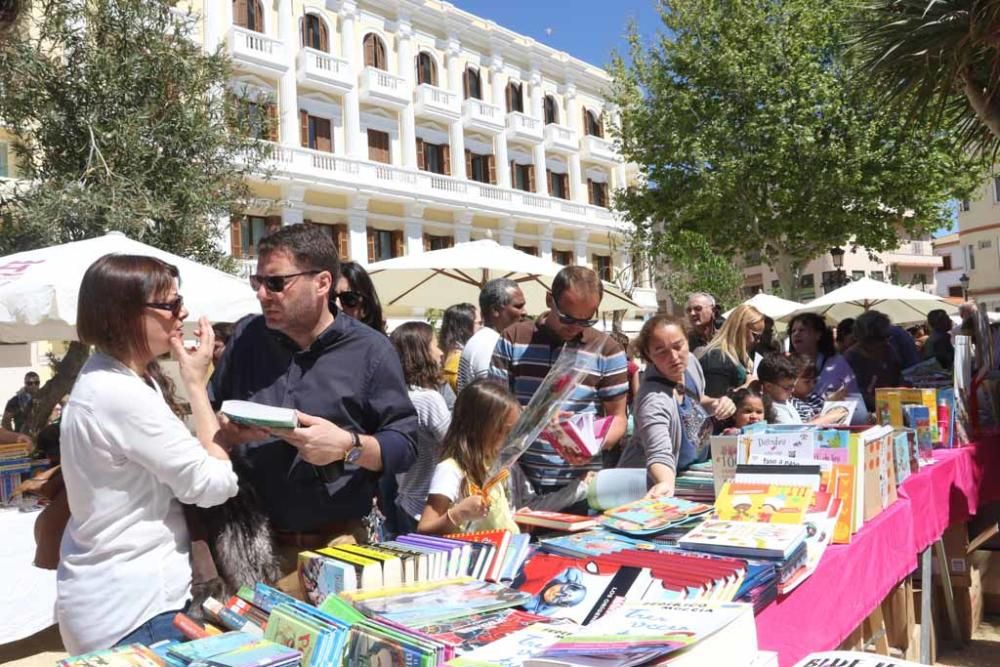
{"points": [[598, 149], [381, 87], [522, 126], [332, 169], [434, 101], [323, 70], [559, 138], [257, 49], [483, 115]]}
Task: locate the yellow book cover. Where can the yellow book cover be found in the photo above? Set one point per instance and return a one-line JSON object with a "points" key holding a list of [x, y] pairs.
{"points": [[763, 503], [369, 570], [856, 458], [844, 489], [355, 596], [392, 564]]}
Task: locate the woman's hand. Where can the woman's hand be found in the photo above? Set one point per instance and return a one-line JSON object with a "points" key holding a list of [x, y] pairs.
{"points": [[724, 408], [661, 489], [469, 509], [194, 362]]}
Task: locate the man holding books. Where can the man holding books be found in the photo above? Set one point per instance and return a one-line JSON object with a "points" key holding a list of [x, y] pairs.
{"points": [[356, 422], [527, 351]]}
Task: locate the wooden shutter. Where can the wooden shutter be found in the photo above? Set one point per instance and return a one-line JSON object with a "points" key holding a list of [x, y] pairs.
{"points": [[379, 53], [341, 239], [510, 96], [513, 174], [236, 236], [549, 179], [565, 185], [531, 178], [378, 146], [590, 191], [586, 124], [427, 242], [371, 244], [465, 84], [397, 243], [421, 162], [370, 50], [446, 158], [599, 125], [303, 128], [324, 37], [324, 139], [272, 121], [468, 163], [240, 13], [491, 165]]}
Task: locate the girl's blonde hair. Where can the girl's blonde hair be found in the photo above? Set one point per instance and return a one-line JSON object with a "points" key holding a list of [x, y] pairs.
{"points": [[732, 337], [478, 428]]}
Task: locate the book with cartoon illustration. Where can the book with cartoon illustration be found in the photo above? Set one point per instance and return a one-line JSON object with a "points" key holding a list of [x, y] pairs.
{"points": [[764, 503], [650, 514], [745, 538]]}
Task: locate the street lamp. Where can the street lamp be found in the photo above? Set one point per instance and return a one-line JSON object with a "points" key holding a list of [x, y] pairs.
{"points": [[840, 278], [965, 280]]}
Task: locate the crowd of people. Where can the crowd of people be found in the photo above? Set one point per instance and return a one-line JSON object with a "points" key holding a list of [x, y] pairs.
{"points": [[407, 426]]}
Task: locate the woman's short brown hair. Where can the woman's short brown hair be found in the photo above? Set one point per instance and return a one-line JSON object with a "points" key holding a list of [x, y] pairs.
{"points": [[412, 341], [112, 299]]}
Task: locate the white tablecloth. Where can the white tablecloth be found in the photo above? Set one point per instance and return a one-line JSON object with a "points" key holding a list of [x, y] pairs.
{"points": [[27, 593]]}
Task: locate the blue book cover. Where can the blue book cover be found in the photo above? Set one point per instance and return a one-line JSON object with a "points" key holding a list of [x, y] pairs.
{"points": [[261, 653], [207, 647]]}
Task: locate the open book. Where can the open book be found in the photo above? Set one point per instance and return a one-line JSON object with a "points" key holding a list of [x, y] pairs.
{"points": [[579, 438], [257, 414]]}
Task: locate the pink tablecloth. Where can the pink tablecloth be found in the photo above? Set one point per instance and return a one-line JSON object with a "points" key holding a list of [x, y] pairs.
{"points": [[853, 579]]}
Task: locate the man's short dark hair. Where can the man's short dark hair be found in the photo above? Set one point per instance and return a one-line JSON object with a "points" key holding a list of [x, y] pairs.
{"points": [[578, 278], [495, 295], [776, 367], [223, 331], [30, 375], [309, 246]]}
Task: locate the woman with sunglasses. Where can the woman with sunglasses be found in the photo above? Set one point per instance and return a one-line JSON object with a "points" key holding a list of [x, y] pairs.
{"points": [[129, 462], [356, 296]]}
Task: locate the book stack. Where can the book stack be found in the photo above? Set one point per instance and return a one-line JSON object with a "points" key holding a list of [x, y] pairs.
{"points": [[696, 484], [567, 523], [599, 541], [651, 516], [15, 464], [230, 649]]}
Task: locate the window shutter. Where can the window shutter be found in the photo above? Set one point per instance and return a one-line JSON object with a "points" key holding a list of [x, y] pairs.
{"points": [[273, 223], [531, 178], [465, 84], [236, 236], [371, 244], [397, 243], [240, 12], [468, 163], [427, 243], [549, 178], [491, 165], [510, 96], [421, 162], [303, 128], [324, 38], [324, 139], [341, 240], [272, 121], [586, 124], [304, 30], [565, 185], [369, 50], [446, 159], [599, 125], [590, 191], [379, 53]]}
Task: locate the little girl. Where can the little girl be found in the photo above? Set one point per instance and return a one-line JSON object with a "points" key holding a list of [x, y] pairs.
{"points": [[752, 406], [485, 412]]}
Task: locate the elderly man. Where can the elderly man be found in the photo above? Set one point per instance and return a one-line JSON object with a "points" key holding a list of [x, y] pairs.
{"points": [[700, 311], [501, 303]]}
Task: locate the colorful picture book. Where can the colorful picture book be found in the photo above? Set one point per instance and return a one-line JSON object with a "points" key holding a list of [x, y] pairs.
{"points": [[745, 538], [580, 437], [653, 515], [569, 523], [764, 503], [132, 655]]}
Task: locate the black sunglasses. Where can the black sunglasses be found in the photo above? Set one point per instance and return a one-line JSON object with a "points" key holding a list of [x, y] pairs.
{"points": [[173, 306], [350, 298], [568, 320], [276, 283]]}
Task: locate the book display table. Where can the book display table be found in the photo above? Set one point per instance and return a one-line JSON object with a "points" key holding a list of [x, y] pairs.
{"points": [[28, 594], [852, 580]]}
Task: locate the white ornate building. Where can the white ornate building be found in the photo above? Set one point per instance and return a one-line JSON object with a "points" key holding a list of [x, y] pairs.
{"points": [[407, 125]]}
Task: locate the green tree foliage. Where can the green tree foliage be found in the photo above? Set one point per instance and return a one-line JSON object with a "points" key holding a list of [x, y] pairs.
{"points": [[750, 130], [692, 266], [119, 121]]}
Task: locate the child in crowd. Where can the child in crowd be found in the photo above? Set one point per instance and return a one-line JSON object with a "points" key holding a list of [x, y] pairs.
{"points": [[778, 375], [485, 412], [752, 406], [804, 398]]}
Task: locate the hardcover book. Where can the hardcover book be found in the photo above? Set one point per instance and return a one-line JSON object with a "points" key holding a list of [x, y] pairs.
{"points": [[745, 538], [258, 414], [763, 503], [579, 438]]}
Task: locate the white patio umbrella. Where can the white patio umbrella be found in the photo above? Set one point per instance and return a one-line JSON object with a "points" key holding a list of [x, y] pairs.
{"points": [[39, 288], [902, 304], [441, 278], [770, 305]]}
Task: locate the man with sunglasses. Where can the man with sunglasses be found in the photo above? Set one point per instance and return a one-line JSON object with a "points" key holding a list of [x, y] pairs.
{"points": [[18, 409], [356, 421], [527, 351]]}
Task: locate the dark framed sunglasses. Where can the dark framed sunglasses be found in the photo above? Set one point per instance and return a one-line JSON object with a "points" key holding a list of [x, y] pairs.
{"points": [[174, 307], [276, 283], [570, 321], [350, 298]]}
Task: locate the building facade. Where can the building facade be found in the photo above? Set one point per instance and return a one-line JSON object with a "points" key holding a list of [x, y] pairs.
{"points": [[949, 249], [410, 125], [913, 264], [979, 241]]}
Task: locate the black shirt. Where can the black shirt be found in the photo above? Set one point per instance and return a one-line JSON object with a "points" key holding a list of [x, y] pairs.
{"points": [[351, 376]]}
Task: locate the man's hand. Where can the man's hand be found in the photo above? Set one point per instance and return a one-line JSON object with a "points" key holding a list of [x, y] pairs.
{"points": [[661, 489], [232, 434], [319, 441], [723, 408]]}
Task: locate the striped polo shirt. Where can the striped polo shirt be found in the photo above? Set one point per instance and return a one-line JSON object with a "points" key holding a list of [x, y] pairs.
{"points": [[523, 357]]}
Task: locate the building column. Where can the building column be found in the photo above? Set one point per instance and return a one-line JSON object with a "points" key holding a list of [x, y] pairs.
{"points": [[463, 227], [536, 94], [223, 240], [498, 82], [288, 95], [545, 242], [582, 257], [357, 229], [507, 227], [407, 121], [414, 229], [577, 189], [211, 22], [456, 131], [353, 141], [541, 175]]}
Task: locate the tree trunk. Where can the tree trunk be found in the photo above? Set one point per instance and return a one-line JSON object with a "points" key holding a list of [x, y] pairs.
{"points": [[988, 112], [784, 266], [60, 385]]}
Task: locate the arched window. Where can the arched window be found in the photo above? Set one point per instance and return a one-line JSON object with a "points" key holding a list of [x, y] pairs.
{"points": [[515, 97], [472, 84], [592, 123], [551, 110], [426, 69], [314, 33], [249, 14], [374, 51]]}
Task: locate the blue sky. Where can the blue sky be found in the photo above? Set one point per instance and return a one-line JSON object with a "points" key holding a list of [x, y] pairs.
{"points": [[586, 29]]}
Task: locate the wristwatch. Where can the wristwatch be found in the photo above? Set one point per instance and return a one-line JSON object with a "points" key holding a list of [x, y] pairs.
{"points": [[354, 453]]}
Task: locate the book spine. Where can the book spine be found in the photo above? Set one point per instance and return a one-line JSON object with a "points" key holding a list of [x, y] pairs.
{"points": [[187, 627]]}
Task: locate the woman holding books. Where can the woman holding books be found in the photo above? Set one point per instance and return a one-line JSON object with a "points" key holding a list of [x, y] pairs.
{"points": [[670, 422], [129, 462]]}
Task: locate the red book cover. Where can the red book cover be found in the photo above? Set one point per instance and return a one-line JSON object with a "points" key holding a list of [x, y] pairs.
{"points": [[555, 520], [188, 627], [498, 538], [540, 569]]}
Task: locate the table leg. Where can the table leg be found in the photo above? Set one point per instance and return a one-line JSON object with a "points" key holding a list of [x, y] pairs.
{"points": [[949, 594], [926, 619]]}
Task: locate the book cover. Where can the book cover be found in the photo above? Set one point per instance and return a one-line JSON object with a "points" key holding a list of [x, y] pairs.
{"points": [[843, 411], [763, 503], [579, 438], [133, 655], [725, 457], [745, 538], [320, 576], [392, 565], [258, 414], [199, 649], [554, 520], [368, 571], [843, 485], [874, 442], [260, 653], [655, 513], [469, 633], [918, 418], [515, 648], [517, 553], [613, 487], [500, 539], [787, 444]]}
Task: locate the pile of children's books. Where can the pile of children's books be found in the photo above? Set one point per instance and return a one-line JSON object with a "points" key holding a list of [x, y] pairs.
{"points": [[653, 516], [696, 484], [15, 465]]}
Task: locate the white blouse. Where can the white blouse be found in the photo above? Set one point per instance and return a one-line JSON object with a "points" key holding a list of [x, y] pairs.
{"points": [[127, 460]]}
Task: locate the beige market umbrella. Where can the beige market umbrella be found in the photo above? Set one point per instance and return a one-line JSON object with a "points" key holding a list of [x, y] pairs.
{"points": [[770, 305], [902, 304]]}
